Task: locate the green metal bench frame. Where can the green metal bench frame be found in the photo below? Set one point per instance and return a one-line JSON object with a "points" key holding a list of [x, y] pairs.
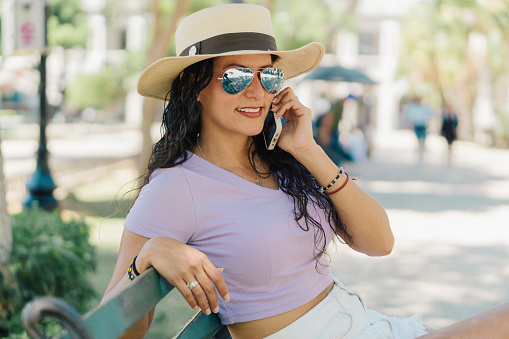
{"points": [[113, 318]]}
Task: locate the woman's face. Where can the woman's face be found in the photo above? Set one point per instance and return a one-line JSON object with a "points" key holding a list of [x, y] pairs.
{"points": [[242, 113]]}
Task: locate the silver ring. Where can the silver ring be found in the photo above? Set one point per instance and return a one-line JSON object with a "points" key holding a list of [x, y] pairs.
{"points": [[192, 285]]}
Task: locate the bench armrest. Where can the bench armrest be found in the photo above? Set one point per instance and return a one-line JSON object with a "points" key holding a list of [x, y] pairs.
{"points": [[113, 318]]}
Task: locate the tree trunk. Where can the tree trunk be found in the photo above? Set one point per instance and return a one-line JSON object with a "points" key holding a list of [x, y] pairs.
{"points": [[5, 221], [5, 244], [158, 49]]}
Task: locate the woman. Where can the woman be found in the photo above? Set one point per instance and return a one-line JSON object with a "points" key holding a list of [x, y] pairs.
{"points": [[219, 211], [449, 128]]}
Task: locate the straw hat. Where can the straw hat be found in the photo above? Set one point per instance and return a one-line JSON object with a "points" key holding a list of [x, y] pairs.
{"points": [[232, 29]]}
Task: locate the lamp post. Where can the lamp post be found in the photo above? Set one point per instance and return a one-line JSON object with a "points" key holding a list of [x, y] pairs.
{"points": [[40, 186]]}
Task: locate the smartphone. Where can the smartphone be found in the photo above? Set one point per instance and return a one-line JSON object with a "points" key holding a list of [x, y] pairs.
{"points": [[271, 130]]}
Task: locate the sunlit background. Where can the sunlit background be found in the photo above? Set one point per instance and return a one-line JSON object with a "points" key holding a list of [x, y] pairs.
{"points": [[447, 52]]}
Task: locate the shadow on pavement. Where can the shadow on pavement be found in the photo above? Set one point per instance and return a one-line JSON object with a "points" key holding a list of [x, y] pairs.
{"points": [[443, 282], [427, 187]]}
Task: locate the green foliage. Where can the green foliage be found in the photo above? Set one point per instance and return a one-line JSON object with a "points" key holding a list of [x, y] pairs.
{"points": [[196, 5], [295, 25], [0, 26], [133, 65], [95, 90], [67, 25], [50, 257], [166, 7], [438, 36], [448, 45]]}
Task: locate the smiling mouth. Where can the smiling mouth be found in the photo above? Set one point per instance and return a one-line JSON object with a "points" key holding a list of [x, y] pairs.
{"points": [[249, 110]]}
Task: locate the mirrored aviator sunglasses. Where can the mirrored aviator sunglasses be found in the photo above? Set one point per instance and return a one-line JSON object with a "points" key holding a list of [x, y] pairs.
{"points": [[235, 80]]}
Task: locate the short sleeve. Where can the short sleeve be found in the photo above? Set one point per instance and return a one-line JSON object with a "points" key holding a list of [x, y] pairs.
{"points": [[164, 207]]}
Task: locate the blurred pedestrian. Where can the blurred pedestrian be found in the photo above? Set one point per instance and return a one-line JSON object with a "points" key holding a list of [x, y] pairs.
{"points": [[419, 115], [327, 133], [449, 128], [356, 145]]}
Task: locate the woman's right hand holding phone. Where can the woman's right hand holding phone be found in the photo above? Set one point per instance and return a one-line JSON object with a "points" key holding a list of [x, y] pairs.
{"points": [[180, 265]]}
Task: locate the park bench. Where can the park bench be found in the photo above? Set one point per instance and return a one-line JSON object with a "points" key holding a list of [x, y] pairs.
{"points": [[113, 318]]}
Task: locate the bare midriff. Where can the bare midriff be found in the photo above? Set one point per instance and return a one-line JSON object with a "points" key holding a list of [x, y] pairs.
{"points": [[264, 327]]}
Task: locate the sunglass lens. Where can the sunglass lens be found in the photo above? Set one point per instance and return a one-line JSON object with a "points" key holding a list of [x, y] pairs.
{"points": [[236, 80], [272, 79]]}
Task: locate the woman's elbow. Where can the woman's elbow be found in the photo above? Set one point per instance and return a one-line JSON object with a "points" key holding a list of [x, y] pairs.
{"points": [[380, 250], [385, 245], [379, 247], [386, 240]]}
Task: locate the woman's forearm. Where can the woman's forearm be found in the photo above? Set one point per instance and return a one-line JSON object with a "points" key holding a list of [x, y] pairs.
{"points": [[365, 219]]}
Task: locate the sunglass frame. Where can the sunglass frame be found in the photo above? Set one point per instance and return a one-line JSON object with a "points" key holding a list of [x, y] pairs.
{"points": [[267, 75]]}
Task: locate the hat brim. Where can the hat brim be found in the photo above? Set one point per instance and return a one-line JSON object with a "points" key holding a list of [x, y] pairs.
{"points": [[156, 80]]}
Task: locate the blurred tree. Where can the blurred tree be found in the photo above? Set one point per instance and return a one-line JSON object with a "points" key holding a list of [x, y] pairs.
{"points": [[98, 90], [450, 46], [0, 26], [295, 25], [5, 241], [5, 221], [158, 48], [66, 27], [67, 24]]}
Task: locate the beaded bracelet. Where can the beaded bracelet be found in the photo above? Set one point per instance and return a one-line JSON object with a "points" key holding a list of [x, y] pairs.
{"points": [[132, 272], [341, 187], [322, 189]]}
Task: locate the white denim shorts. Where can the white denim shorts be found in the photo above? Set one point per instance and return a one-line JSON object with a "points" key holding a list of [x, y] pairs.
{"points": [[343, 314]]}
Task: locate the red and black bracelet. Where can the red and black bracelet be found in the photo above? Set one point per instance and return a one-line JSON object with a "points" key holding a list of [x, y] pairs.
{"points": [[342, 186]]}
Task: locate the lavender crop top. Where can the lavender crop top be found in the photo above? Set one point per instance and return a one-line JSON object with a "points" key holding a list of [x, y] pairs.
{"points": [[268, 261]]}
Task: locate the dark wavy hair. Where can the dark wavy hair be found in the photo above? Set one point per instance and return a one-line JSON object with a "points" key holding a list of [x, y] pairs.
{"points": [[181, 123]]}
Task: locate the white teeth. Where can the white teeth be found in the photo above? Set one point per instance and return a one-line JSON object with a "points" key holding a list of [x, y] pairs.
{"points": [[248, 110]]}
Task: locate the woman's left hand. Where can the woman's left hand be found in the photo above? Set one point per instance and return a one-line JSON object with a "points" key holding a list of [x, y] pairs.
{"points": [[297, 135]]}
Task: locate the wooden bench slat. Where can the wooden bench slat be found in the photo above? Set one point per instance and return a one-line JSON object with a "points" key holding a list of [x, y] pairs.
{"points": [[121, 312], [200, 326]]}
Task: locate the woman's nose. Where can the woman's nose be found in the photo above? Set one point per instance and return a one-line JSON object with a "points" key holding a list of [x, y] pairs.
{"points": [[255, 88]]}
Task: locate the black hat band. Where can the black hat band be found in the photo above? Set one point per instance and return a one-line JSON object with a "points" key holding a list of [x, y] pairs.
{"points": [[231, 42]]}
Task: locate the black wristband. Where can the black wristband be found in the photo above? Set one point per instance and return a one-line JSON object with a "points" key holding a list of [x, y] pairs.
{"points": [[132, 272]]}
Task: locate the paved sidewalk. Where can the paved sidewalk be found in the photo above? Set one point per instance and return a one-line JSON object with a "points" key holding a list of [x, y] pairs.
{"points": [[451, 223], [78, 154]]}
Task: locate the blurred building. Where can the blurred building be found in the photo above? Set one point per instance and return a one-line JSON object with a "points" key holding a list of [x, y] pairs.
{"points": [[115, 31], [374, 49]]}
